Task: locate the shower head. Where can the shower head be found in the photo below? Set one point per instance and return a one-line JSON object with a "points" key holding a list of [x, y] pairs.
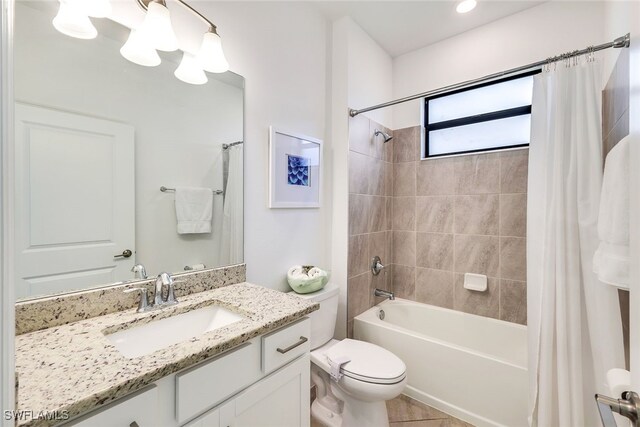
{"points": [[385, 135]]}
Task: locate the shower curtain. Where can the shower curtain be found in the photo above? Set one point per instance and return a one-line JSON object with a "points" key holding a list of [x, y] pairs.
{"points": [[574, 325], [232, 227]]}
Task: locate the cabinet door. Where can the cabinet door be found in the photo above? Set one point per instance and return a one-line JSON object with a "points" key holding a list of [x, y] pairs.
{"points": [[279, 400], [209, 419], [135, 410]]}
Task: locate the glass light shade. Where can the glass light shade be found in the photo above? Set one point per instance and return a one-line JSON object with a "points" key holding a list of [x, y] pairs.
{"points": [[190, 71], [138, 50], [211, 55], [157, 28], [466, 6], [73, 21], [97, 8]]}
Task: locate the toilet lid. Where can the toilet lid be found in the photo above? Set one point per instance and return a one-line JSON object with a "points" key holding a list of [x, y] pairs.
{"points": [[368, 362]]}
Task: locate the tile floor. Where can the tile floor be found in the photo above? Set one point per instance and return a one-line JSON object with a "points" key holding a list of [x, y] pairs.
{"points": [[407, 412]]}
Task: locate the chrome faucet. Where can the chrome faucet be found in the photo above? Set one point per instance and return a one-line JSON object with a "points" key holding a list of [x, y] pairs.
{"points": [[139, 271], [163, 278], [383, 293]]}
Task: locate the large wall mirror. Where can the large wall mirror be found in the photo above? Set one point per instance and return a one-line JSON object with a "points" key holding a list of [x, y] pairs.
{"points": [[96, 137]]}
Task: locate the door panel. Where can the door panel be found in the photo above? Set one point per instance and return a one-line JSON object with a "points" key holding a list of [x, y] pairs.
{"points": [[74, 200]]}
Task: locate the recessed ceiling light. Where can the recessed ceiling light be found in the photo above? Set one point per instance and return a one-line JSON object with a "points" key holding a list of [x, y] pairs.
{"points": [[466, 6]]}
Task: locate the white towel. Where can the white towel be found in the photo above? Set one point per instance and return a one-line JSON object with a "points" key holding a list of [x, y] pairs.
{"points": [[611, 260], [194, 207]]}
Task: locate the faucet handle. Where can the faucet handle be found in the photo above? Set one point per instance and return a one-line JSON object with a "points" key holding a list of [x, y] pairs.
{"points": [[143, 304], [171, 296]]}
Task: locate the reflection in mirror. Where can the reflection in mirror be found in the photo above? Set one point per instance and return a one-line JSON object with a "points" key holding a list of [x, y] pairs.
{"points": [[96, 138]]}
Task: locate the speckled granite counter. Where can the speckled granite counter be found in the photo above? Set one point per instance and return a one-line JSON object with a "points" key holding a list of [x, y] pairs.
{"points": [[74, 368]]}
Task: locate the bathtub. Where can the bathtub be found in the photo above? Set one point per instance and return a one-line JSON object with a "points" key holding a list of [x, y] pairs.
{"points": [[468, 366]]}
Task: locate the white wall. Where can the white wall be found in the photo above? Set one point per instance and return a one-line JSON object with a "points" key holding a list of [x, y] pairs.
{"points": [[179, 128], [529, 36], [280, 48]]}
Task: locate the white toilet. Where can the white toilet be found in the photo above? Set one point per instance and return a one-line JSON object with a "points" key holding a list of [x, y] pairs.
{"points": [[371, 376]]}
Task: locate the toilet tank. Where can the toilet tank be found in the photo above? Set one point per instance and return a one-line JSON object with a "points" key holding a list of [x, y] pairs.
{"points": [[323, 320]]}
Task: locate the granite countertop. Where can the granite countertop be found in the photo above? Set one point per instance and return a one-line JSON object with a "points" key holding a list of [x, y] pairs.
{"points": [[74, 367]]}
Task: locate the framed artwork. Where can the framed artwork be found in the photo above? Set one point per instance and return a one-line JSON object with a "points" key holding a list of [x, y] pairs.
{"points": [[295, 166]]}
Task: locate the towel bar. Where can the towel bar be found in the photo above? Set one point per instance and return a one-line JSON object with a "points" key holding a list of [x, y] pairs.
{"points": [[166, 189]]}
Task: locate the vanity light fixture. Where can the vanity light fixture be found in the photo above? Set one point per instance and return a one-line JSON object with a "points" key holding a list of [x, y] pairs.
{"points": [[73, 20], [155, 33], [190, 70], [466, 6]]}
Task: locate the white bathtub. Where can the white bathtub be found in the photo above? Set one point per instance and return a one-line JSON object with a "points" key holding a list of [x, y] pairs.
{"points": [[468, 366]]}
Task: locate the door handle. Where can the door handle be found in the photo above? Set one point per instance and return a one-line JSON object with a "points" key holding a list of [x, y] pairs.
{"points": [[628, 406], [125, 254]]}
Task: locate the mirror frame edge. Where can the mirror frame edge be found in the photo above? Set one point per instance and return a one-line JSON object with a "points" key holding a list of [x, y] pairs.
{"points": [[7, 308]]}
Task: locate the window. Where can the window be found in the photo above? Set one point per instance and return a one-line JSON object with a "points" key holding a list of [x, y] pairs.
{"points": [[486, 117]]}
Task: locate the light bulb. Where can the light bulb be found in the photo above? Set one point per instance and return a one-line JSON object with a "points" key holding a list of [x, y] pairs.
{"points": [[211, 55], [73, 21], [466, 6], [138, 50], [190, 70], [156, 27], [97, 8]]}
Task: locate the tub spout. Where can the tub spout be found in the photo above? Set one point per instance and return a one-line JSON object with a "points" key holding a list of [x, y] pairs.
{"points": [[383, 293]]}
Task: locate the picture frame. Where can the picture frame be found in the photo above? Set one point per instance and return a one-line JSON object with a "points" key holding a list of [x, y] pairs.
{"points": [[295, 170]]}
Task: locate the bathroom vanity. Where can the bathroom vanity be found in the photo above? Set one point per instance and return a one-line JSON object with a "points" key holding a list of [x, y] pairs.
{"points": [[250, 372]]}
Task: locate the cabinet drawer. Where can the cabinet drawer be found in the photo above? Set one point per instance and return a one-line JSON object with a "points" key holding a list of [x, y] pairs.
{"points": [[204, 386], [285, 344], [138, 408]]}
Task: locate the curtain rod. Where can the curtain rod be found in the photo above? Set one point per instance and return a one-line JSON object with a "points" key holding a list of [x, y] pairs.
{"points": [[620, 42]]}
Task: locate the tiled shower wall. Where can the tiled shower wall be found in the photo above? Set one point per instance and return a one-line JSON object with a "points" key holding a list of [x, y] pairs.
{"points": [[459, 215], [370, 190], [433, 220], [615, 126]]}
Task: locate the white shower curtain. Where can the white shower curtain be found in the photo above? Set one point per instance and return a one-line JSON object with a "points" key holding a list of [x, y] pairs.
{"points": [[574, 322], [232, 215]]}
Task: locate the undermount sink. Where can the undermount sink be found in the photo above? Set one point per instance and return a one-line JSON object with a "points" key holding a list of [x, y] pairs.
{"points": [[145, 339]]}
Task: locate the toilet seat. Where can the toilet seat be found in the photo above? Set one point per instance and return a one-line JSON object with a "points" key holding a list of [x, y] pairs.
{"points": [[368, 362]]}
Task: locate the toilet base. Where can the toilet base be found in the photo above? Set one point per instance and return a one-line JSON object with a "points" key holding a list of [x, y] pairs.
{"points": [[356, 414]]}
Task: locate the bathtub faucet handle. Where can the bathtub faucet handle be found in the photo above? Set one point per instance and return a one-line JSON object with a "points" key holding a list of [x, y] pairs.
{"points": [[383, 293], [376, 265]]}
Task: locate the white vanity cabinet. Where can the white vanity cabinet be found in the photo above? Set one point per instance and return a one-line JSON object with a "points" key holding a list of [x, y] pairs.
{"points": [[261, 383]]}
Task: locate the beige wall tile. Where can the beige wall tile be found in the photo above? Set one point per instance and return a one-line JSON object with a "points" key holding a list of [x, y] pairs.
{"points": [[513, 258], [389, 210], [359, 136], [481, 303], [513, 301], [478, 174], [406, 144], [359, 212], [381, 281], [435, 214], [434, 250], [513, 171], [359, 298], [404, 179], [349, 335], [376, 177], [403, 281], [477, 254], [378, 214], [358, 173], [435, 177], [378, 245], [388, 178], [434, 287], [513, 215], [404, 213], [404, 248], [358, 261], [477, 214]]}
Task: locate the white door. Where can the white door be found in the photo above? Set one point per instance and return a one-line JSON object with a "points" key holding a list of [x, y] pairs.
{"points": [[74, 201]]}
